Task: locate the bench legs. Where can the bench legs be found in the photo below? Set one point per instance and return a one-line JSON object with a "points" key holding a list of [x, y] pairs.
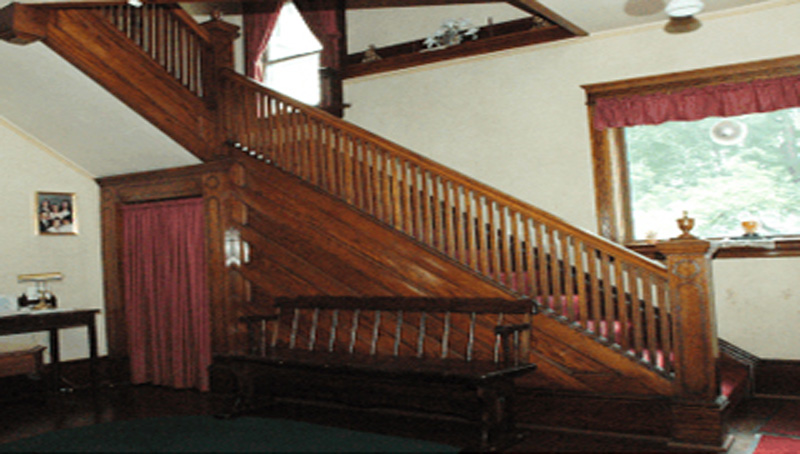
{"points": [[245, 390], [498, 428]]}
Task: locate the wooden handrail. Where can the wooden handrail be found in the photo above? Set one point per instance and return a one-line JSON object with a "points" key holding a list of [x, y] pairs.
{"points": [[611, 293]]}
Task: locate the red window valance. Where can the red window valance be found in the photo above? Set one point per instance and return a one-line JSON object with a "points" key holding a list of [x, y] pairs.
{"points": [[724, 100]]}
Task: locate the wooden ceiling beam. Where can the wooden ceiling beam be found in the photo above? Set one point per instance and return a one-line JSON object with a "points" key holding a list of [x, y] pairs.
{"points": [[535, 7], [369, 4]]}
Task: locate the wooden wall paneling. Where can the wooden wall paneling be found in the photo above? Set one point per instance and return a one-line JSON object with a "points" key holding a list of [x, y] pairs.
{"points": [[638, 417], [417, 264], [270, 253], [331, 267], [577, 353], [361, 267], [777, 378]]}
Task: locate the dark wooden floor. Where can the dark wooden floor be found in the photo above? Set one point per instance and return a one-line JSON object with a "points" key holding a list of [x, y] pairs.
{"points": [[38, 413]]}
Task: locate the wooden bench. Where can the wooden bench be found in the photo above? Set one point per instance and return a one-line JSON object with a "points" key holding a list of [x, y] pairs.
{"points": [[448, 357]]}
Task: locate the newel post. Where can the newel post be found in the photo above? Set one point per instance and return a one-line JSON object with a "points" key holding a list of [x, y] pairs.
{"points": [[694, 325], [218, 56]]}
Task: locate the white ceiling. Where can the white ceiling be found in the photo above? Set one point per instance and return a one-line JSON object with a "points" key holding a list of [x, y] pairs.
{"points": [[595, 16], [61, 107], [53, 102]]}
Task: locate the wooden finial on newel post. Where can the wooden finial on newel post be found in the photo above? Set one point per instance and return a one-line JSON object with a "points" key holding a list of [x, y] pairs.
{"points": [[694, 330]]}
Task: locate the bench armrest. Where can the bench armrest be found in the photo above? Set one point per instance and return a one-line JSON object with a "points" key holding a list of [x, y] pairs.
{"points": [[258, 318], [257, 331], [505, 330]]}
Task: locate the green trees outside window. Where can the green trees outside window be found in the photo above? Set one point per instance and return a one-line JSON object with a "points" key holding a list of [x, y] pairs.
{"points": [[723, 171]]}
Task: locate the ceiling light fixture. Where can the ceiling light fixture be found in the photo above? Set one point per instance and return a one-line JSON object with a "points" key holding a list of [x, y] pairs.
{"points": [[683, 8], [681, 15]]}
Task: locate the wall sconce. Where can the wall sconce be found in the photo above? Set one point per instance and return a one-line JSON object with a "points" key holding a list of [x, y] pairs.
{"points": [[236, 250], [39, 296]]}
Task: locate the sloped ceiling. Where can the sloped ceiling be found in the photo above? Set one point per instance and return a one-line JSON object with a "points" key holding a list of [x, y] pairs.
{"points": [[45, 96], [53, 102]]}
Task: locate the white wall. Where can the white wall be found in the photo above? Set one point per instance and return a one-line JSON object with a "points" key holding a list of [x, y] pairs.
{"points": [[28, 167], [517, 121]]}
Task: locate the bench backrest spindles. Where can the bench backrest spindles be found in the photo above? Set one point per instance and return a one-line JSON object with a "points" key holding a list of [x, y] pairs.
{"points": [[293, 333], [465, 329], [421, 336], [376, 326], [354, 331], [471, 339], [334, 325], [497, 340], [446, 335], [398, 333], [312, 337]]}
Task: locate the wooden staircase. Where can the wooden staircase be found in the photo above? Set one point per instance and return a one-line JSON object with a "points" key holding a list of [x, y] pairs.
{"points": [[324, 207]]}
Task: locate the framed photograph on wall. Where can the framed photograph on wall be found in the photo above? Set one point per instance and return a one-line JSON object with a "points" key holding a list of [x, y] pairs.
{"points": [[56, 214]]}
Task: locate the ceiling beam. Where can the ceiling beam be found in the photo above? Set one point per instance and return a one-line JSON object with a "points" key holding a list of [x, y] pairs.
{"points": [[535, 7], [368, 4]]}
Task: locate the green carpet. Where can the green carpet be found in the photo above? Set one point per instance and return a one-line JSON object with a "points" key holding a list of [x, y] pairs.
{"points": [[208, 434]]}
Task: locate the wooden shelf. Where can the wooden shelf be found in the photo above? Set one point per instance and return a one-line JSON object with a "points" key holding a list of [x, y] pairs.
{"points": [[410, 54]]}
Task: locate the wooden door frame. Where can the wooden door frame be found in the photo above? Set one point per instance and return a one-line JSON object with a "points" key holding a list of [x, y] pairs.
{"points": [[209, 181]]}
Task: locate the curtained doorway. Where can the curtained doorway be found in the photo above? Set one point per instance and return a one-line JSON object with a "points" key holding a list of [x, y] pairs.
{"points": [[165, 293]]}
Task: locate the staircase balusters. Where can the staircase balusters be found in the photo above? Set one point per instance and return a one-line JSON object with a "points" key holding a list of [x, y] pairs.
{"points": [[167, 34]]}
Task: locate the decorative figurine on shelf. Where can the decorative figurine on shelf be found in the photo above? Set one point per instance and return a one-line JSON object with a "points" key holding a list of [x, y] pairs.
{"points": [[686, 224], [371, 54], [750, 228], [451, 33]]}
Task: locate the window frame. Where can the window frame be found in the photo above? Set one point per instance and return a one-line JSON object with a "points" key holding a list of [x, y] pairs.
{"points": [[266, 62], [609, 156]]}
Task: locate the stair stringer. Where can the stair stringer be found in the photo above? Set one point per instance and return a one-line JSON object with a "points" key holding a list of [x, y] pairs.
{"points": [[306, 242], [94, 46]]}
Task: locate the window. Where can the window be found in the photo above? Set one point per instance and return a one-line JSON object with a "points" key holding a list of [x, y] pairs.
{"points": [[646, 176], [723, 171], [292, 58]]}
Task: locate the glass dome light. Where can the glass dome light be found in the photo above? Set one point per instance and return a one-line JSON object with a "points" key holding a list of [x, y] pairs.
{"points": [[683, 8]]}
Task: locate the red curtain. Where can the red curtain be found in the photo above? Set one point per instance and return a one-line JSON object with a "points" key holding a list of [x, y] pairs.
{"points": [[321, 17], [722, 100], [259, 21], [166, 303]]}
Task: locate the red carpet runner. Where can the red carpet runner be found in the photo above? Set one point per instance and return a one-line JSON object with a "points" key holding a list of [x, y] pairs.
{"points": [[781, 434]]}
